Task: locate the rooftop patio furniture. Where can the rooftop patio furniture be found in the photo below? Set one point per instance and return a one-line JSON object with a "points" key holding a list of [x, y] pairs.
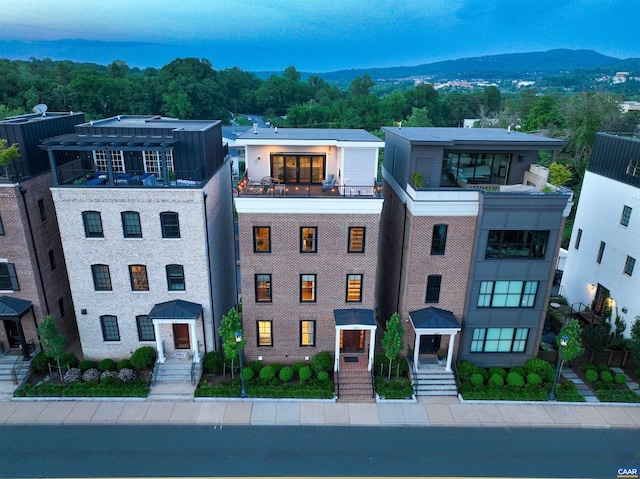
{"points": [[329, 183]]}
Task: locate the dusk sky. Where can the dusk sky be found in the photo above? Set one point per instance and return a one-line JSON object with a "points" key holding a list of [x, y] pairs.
{"points": [[314, 36]]}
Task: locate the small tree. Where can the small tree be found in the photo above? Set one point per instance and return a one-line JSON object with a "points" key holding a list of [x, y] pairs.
{"points": [[52, 340], [392, 342], [574, 348], [8, 153], [228, 326], [559, 174], [634, 343]]}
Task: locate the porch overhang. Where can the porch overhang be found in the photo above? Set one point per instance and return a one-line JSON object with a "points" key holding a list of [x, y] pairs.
{"points": [[432, 321], [176, 311], [352, 320], [14, 309]]}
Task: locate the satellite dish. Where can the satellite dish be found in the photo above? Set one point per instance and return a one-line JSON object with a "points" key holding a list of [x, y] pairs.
{"points": [[41, 108]]}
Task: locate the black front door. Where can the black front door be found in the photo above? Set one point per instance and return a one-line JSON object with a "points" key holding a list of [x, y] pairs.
{"points": [[11, 327], [602, 294], [429, 344]]}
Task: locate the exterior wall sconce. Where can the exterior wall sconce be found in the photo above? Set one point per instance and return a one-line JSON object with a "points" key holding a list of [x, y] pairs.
{"points": [[591, 287], [258, 158], [521, 157], [625, 310]]}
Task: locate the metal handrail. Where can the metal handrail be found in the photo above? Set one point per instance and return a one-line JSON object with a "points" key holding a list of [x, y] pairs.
{"points": [[193, 373], [337, 375], [373, 384]]}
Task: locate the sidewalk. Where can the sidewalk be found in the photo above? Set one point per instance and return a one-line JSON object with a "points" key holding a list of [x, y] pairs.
{"points": [[427, 412]]}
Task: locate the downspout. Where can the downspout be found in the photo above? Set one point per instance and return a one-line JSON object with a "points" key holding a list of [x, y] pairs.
{"points": [[404, 234], [206, 234], [23, 192]]}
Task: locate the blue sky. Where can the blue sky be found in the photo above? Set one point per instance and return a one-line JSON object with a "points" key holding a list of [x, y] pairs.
{"points": [[314, 36]]}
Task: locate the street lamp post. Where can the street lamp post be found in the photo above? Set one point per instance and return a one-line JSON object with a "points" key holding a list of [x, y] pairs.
{"points": [[238, 335], [564, 340]]}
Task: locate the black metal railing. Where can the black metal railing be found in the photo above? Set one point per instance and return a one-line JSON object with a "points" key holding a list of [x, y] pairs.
{"points": [[193, 372], [337, 378], [373, 383]]}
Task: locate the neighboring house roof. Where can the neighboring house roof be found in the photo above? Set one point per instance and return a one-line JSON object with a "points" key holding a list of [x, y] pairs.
{"points": [[434, 318], [74, 141], [176, 309], [152, 122], [13, 307], [310, 134], [351, 317]]}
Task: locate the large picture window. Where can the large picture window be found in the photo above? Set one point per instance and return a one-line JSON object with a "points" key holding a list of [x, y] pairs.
{"points": [[261, 239], [265, 333], [307, 288], [507, 294], [92, 224], [462, 168], [8, 277], [298, 169], [517, 244], [110, 331], [263, 288], [499, 340]]}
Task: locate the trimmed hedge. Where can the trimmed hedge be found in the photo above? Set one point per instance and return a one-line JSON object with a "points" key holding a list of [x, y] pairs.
{"points": [[138, 388]]}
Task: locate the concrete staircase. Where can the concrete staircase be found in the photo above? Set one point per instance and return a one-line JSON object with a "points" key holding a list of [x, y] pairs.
{"points": [[434, 382], [176, 370], [12, 363]]}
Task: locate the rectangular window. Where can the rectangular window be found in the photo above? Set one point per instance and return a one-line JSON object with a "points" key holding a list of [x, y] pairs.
{"points": [[626, 216], [433, 288], [499, 340], [52, 260], [263, 288], [145, 328], [138, 275], [92, 224], [307, 333], [61, 307], [153, 163], [8, 278], [507, 294], [578, 238], [175, 277], [308, 239], [438, 239], [600, 252], [633, 168], [265, 334], [356, 239], [517, 244], [1, 227], [170, 224], [354, 288], [43, 212], [131, 224], [101, 162], [101, 277], [110, 331], [262, 239], [629, 265], [307, 288]]}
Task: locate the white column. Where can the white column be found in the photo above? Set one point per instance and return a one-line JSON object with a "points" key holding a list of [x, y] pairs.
{"points": [[337, 360], [416, 351], [452, 338], [194, 341], [156, 330], [372, 344]]}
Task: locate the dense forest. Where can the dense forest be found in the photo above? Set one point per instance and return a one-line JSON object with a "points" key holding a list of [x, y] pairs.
{"points": [[190, 88]]}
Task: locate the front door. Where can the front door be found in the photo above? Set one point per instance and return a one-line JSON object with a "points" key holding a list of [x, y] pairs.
{"points": [[429, 344], [181, 336], [352, 341], [11, 327], [599, 302]]}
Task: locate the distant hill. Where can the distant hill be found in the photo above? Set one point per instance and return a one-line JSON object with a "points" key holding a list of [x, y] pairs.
{"points": [[524, 66]]}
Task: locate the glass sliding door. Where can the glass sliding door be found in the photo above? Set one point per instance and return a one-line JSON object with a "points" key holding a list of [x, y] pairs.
{"points": [[298, 169]]}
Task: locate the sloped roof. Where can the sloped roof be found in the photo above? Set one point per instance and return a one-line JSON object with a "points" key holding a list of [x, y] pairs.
{"points": [[176, 309], [351, 317], [433, 318], [13, 307]]}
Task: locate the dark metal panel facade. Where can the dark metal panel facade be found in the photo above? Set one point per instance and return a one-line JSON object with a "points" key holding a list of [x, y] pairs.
{"points": [[611, 155]]}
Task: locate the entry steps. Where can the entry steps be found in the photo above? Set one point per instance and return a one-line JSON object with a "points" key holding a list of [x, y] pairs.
{"points": [[432, 382], [177, 370], [355, 387]]}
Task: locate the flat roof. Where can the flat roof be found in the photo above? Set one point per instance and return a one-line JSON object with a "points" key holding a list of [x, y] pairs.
{"points": [[76, 142], [310, 134], [35, 117], [151, 121], [452, 136]]}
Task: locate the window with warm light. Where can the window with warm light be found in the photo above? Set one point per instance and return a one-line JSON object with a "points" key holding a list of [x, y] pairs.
{"points": [[308, 288], [262, 239], [356, 239], [308, 239], [307, 333], [354, 288], [263, 288], [265, 333], [138, 275]]}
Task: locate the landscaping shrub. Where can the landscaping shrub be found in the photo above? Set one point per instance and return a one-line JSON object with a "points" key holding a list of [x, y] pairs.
{"points": [[589, 367], [85, 365], [520, 370], [620, 379], [323, 361], [465, 369], [500, 371], [637, 372], [305, 374], [106, 365], [109, 374], [568, 392], [126, 375], [539, 366], [143, 358], [277, 367], [256, 366], [286, 374], [323, 376], [476, 379], [515, 380], [614, 395], [496, 380], [248, 374], [40, 363], [603, 367], [68, 360], [267, 373], [213, 362], [123, 364], [533, 379], [91, 375], [591, 375], [484, 373], [297, 367], [73, 375], [399, 388], [606, 377]]}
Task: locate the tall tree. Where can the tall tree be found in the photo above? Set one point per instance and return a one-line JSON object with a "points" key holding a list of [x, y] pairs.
{"points": [[392, 342], [53, 342]]}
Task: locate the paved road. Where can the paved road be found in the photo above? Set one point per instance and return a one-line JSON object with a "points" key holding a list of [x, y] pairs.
{"points": [[197, 451]]}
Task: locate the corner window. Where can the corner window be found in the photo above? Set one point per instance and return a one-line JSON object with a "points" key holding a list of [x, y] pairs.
{"points": [[307, 288], [438, 239], [138, 275], [101, 277], [517, 244], [600, 252], [262, 239], [354, 288], [175, 277], [8, 277], [308, 239], [170, 224], [110, 331], [265, 333], [499, 340], [356, 239], [629, 264], [307, 333], [578, 238], [145, 328], [626, 216], [41, 209], [131, 224], [92, 224], [263, 288], [507, 294], [433, 288]]}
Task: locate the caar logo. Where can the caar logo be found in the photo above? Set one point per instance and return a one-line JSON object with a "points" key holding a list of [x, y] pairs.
{"points": [[624, 472]]}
